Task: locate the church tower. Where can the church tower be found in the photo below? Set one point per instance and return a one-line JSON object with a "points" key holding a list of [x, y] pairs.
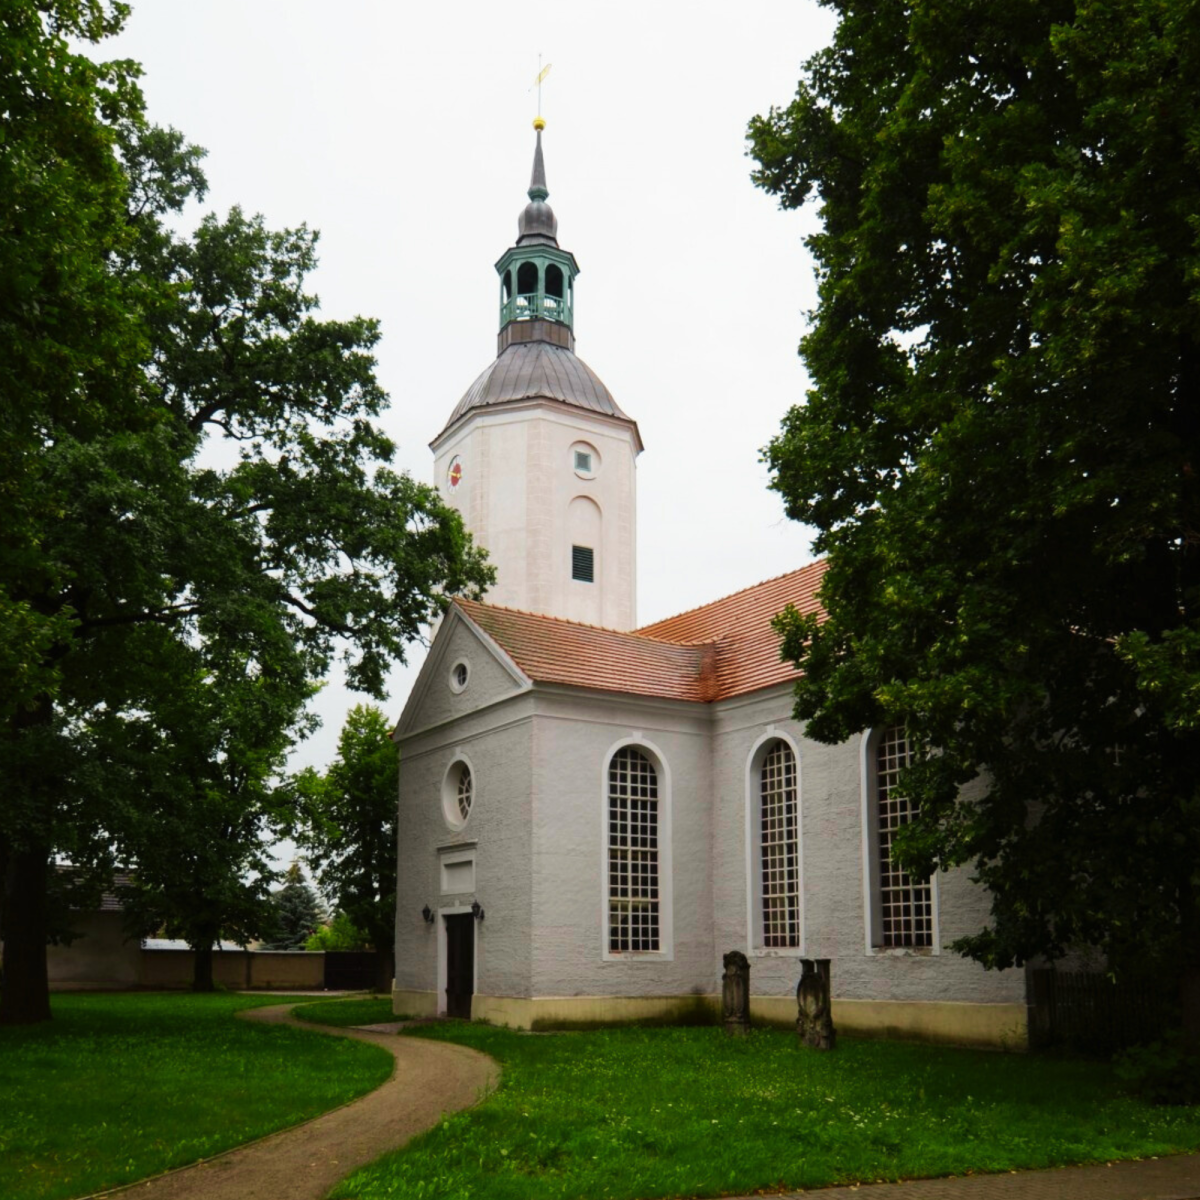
{"points": [[537, 456]]}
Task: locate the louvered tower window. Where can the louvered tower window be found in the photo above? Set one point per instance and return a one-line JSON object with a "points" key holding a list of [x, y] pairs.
{"points": [[633, 893], [780, 848], [905, 906], [583, 564]]}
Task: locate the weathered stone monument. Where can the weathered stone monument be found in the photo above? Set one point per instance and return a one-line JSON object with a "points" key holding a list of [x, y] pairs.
{"points": [[735, 994], [814, 1023]]}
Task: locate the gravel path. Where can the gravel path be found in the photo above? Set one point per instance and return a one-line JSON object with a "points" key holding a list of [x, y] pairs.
{"points": [[304, 1162]]}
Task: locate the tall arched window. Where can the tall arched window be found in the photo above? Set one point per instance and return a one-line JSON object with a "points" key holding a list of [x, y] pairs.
{"points": [[633, 884], [779, 847], [905, 907]]}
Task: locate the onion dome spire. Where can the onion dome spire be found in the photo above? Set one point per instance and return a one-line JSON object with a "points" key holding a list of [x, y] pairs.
{"points": [[538, 222]]}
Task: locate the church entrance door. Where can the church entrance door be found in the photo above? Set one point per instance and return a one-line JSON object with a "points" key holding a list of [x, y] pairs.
{"points": [[460, 964]]}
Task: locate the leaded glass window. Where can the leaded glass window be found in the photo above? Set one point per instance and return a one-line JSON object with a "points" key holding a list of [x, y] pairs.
{"points": [[905, 906], [633, 893], [464, 791], [779, 827]]}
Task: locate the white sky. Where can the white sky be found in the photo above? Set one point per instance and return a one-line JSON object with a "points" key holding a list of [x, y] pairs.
{"points": [[402, 132]]}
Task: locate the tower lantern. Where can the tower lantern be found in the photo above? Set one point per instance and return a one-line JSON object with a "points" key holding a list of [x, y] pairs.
{"points": [[537, 277]]}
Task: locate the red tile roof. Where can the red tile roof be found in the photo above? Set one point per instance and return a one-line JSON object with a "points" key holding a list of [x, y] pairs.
{"points": [[719, 650]]}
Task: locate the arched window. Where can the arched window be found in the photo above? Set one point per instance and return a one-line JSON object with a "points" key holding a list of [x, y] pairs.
{"points": [[527, 279], [779, 847], [506, 283], [554, 281], [633, 877], [904, 907]]}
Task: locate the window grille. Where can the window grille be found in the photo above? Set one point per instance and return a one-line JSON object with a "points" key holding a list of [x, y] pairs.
{"points": [[464, 791], [632, 852], [905, 906], [780, 833], [583, 564]]}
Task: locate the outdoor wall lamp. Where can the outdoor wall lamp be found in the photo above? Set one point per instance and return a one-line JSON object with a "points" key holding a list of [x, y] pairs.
{"points": [[476, 910], [427, 913]]}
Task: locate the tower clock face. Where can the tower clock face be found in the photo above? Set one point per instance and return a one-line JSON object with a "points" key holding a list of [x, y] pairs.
{"points": [[455, 473]]}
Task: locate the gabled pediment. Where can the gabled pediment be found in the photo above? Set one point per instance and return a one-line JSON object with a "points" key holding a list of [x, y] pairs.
{"points": [[438, 697]]}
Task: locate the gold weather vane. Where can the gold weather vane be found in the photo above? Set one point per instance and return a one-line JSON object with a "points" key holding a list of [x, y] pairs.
{"points": [[539, 121]]}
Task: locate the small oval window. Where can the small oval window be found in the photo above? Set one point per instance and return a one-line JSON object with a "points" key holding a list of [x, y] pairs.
{"points": [[459, 674]]}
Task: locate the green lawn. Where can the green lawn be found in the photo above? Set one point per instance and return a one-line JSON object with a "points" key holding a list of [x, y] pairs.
{"points": [[625, 1113], [366, 1010], [120, 1086]]}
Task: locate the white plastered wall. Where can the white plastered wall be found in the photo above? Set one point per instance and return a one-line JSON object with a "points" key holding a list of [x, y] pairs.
{"points": [[517, 488], [832, 912], [575, 734], [487, 724]]}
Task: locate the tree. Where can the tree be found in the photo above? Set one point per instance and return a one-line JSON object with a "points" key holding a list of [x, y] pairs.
{"points": [[69, 366], [1001, 446], [348, 827], [296, 914], [203, 757], [308, 547], [340, 934]]}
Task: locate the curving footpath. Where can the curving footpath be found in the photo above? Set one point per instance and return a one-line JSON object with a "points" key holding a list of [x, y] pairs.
{"points": [[305, 1161]]}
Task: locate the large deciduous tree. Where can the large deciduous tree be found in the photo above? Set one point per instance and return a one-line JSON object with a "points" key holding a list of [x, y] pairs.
{"points": [[348, 828], [1000, 450], [130, 540]]}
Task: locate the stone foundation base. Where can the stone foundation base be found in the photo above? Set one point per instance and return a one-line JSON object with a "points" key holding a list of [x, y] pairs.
{"points": [[993, 1026]]}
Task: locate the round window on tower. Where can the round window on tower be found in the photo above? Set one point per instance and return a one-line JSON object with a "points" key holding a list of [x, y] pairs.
{"points": [[458, 793], [454, 474], [585, 461]]}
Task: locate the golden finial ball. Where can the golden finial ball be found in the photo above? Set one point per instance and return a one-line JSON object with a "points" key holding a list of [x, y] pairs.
{"points": [[539, 123]]}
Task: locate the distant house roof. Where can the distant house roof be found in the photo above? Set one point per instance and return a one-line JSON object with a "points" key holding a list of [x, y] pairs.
{"points": [[722, 649], [110, 900]]}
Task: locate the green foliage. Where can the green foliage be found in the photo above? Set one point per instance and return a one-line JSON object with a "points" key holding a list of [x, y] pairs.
{"points": [[141, 569], [340, 934], [375, 1011], [142, 1083], [69, 353], [633, 1113], [1161, 1072], [999, 451], [295, 913], [347, 825]]}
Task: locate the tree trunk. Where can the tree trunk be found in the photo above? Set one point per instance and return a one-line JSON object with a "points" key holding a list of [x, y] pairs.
{"points": [[25, 999], [202, 970]]}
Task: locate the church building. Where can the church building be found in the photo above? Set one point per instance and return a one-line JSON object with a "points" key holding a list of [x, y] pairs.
{"points": [[592, 813]]}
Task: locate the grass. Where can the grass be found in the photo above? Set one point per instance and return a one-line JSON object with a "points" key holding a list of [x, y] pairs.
{"points": [[365, 1010], [121, 1086], [646, 1113]]}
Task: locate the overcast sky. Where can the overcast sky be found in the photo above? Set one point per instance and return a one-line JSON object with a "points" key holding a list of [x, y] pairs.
{"points": [[403, 133]]}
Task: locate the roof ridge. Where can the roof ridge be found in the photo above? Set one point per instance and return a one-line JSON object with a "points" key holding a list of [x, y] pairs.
{"points": [[525, 612], [720, 599]]}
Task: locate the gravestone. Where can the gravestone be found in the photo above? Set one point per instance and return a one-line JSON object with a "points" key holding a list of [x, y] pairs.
{"points": [[814, 1023], [735, 994]]}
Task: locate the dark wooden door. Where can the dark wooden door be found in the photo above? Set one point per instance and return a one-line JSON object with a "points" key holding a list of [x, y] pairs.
{"points": [[460, 965]]}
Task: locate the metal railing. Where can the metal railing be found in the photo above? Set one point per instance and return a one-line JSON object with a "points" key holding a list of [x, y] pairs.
{"points": [[533, 306]]}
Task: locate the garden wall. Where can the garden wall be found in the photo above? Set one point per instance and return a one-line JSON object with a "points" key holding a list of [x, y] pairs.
{"points": [[236, 968]]}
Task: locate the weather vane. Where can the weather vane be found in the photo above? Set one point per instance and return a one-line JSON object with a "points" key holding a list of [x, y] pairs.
{"points": [[539, 122]]}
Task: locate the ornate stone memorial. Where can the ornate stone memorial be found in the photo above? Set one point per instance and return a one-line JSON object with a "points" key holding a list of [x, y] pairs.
{"points": [[814, 1024], [735, 994]]}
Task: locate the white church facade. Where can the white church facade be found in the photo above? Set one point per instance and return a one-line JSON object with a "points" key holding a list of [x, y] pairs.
{"points": [[592, 814]]}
